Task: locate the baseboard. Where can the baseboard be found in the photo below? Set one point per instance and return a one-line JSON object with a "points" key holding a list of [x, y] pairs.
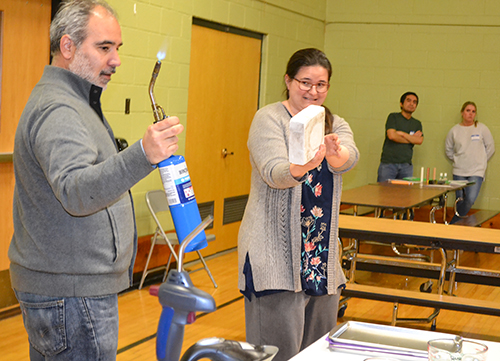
{"points": [[7, 296]]}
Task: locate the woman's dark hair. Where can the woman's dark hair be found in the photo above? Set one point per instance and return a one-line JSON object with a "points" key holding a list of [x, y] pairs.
{"points": [[307, 57], [328, 121], [310, 57]]}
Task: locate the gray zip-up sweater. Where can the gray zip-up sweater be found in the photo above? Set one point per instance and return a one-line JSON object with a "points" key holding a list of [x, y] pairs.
{"points": [[74, 227], [270, 231]]}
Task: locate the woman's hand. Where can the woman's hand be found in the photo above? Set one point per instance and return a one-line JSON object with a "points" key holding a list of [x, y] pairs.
{"points": [[333, 147], [298, 171], [336, 154]]}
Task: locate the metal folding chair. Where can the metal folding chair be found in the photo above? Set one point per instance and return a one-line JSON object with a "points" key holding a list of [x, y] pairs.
{"points": [[157, 203]]}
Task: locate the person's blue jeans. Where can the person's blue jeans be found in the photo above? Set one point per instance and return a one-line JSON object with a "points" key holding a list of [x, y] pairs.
{"points": [[468, 194], [394, 171], [74, 328]]}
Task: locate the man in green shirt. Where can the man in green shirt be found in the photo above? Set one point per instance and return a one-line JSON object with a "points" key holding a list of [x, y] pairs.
{"points": [[402, 133]]}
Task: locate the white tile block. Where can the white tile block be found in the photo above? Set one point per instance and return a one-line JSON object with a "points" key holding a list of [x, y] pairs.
{"points": [[307, 132]]}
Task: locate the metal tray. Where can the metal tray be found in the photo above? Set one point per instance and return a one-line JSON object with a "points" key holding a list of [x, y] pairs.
{"points": [[381, 340]]}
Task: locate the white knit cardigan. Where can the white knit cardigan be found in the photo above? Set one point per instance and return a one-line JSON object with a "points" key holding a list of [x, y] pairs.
{"points": [[270, 231]]}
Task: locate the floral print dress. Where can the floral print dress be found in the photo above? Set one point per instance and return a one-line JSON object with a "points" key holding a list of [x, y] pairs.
{"points": [[316, 213]]}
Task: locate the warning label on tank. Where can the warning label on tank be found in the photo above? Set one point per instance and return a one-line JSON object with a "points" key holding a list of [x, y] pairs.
{"points": [[177, 183]]}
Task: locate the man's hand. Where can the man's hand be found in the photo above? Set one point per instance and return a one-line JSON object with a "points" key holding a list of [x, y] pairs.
{"points": [[399, 136], [414, 138], [418, 134], [160, 140]]}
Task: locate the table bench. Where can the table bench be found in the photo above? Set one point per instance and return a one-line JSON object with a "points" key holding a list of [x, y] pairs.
{"points": [[358, 211], [476, 219], [437, 236], [421, 299], [393, 265]]}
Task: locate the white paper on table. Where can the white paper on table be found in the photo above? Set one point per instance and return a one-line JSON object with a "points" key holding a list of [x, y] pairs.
{"points": [[307, 132]]}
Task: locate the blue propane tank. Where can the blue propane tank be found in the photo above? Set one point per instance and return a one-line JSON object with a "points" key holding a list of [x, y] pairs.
{"points": [[181, 200]]}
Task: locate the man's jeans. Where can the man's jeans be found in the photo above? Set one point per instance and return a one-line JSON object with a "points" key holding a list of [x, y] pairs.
{"points": [[74, 328], [394, 171], [468, 194]]}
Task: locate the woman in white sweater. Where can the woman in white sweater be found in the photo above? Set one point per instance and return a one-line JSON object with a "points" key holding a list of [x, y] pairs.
{"points": [[289, 267], [469, 145]]}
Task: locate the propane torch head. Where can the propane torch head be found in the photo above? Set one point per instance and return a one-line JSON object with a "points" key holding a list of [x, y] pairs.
{"points": [[156, 69], [158, 112]]}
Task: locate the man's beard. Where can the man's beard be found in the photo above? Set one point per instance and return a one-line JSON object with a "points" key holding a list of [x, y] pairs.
{"points": [[82, 67]]}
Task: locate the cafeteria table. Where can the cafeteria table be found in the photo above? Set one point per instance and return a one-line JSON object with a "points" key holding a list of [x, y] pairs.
{"points": [[401, 198]]}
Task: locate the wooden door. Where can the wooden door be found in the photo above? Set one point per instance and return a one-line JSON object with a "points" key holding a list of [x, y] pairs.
{"points": [[24, 52], [223, 98]]}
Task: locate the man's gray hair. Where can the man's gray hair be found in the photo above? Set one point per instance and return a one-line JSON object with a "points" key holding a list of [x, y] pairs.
{"points": [[72, 19]]}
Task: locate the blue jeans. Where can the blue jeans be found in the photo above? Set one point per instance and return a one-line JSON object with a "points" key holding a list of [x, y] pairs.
{"points": [[394, 171], [468, 194], [70, 328]]}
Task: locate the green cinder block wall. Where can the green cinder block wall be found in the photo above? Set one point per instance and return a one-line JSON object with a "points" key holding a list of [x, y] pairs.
{"points": [[152, 25], [447, 51]]}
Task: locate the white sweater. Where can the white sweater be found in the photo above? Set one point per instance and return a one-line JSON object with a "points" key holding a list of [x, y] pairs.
{"points": [[469, 148]]}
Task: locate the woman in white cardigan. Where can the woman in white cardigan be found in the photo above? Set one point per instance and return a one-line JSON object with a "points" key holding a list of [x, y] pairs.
{"points": [[289, 270]]}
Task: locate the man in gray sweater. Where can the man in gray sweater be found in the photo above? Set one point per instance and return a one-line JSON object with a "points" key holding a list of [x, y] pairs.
{"points": [[75, 239]]}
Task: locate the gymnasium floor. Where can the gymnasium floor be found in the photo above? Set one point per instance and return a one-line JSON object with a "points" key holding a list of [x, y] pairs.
{"points": [[139, 312]]}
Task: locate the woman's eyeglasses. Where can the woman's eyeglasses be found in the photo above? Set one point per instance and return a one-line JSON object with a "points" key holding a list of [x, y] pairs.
{"points": [[321, 87]]}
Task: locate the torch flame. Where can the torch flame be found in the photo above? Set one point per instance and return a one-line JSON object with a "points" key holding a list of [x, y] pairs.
{"points": [[161, 55]]}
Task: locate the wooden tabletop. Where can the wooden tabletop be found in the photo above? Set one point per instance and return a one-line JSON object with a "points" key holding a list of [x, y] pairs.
{"points": [[385, 230], [394, 196]]}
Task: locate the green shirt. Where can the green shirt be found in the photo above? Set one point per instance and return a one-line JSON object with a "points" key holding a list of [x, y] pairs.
{"points": [[393, 152]]}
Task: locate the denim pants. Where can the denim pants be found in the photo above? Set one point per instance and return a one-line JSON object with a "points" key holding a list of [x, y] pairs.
{"points": [[394, 171], [468, 194], [70, 328]]}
